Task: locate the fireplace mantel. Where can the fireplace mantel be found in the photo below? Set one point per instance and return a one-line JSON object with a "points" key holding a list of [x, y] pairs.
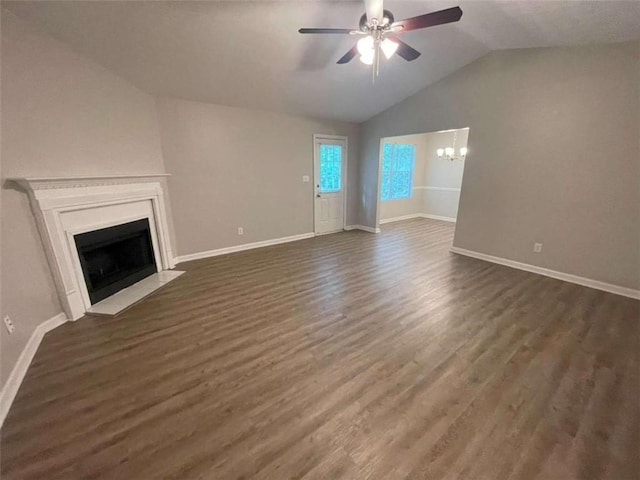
{"points": [[66, 206], [41, 183]]}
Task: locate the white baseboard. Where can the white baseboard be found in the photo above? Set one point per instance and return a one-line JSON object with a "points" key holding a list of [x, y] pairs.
{"points": [[240, 248], [11, 387], [438, 217], [567, 277], [417, 215], [362, 227], [400, 218]]}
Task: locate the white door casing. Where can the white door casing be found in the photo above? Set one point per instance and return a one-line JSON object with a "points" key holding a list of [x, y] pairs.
{"points": [[329, 159]]}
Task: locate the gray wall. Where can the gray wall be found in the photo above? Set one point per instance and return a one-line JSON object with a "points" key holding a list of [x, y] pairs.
{"points": [[61, 115], [235, 167], [554, 156]]}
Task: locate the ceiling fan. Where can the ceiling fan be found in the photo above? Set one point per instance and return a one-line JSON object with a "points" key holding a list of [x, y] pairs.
{"points": [[379, 32]]}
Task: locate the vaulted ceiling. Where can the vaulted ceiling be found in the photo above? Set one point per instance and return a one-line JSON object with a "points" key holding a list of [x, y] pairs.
{"points": [[249, 54]]}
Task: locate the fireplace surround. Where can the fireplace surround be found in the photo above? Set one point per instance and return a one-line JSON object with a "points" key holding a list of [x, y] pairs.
{"points": [[67, 209]]}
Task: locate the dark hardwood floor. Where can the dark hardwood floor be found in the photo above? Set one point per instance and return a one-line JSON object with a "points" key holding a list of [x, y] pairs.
{"points": [[348, 356]]}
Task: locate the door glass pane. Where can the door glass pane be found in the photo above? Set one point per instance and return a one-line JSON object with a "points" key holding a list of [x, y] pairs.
{"points": [[330, 168]]}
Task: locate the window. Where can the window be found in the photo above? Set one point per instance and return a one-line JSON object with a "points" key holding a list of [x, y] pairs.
{"points": [[330, 168], [398, 160]]}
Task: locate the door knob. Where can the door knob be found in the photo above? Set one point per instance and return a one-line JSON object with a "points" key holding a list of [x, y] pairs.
{"points": [[318, 195]]}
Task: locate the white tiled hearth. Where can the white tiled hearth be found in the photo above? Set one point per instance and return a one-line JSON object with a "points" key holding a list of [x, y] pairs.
{"points": [[65, 207], [129, 296]]}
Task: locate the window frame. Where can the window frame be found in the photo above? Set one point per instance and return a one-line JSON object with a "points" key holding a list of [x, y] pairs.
{"points": [[393, 171]]}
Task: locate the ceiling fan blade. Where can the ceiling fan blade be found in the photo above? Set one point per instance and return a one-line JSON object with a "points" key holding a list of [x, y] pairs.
{"points": [[404, 50], [432, 19], [347, 57], [326, 30], [373, 8]]}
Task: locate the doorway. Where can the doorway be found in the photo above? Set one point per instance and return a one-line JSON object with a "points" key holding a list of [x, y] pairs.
{"points": [[330, 175], [421, 175]]}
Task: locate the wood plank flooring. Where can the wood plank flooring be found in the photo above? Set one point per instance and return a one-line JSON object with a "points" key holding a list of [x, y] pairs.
{"points": [[348, 356]]}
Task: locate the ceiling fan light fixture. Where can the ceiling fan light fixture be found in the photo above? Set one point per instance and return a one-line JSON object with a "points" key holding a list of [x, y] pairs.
{"points": [[367, 59], [365, 46], [389, 47]]}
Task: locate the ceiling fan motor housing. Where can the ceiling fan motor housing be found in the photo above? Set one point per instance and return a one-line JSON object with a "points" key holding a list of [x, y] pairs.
{"points": [[387, 20]]}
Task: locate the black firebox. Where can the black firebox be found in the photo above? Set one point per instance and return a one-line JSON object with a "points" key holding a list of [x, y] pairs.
{"points": [[115, 257]]}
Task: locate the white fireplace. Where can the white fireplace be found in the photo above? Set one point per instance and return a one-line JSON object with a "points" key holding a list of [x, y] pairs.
{"points": [[66, 207]]}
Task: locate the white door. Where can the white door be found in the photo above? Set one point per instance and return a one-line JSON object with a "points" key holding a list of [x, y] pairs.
{"points": [[330, 154]]}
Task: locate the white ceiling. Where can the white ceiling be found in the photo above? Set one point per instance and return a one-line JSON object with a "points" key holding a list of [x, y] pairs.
{"points": [[249, 53]]}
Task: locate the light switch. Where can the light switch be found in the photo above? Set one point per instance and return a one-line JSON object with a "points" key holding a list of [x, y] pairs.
{"points": [[305, 178]]}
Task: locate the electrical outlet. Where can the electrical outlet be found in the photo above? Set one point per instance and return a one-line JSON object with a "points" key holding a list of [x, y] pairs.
{"points": [[305, 179], [240, 231], [537, 247], [9, 324]]}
